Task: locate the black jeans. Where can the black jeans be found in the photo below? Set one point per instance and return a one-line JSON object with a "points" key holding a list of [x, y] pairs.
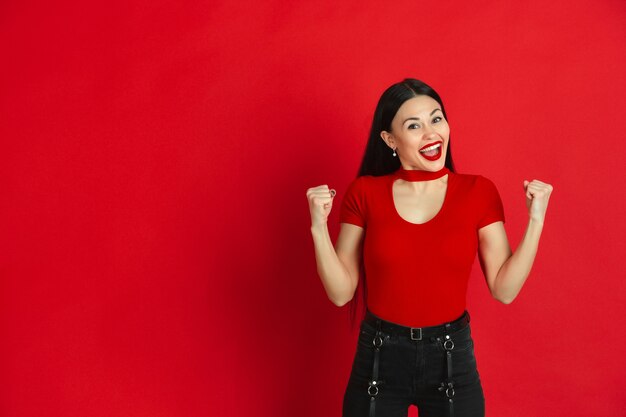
{"points": [[393, 369]]}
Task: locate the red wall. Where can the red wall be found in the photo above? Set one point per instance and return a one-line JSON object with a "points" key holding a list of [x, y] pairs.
{"points": [[156, 258]]}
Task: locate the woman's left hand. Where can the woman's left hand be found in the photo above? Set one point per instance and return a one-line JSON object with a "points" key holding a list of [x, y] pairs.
{"points": [[537, 196]]}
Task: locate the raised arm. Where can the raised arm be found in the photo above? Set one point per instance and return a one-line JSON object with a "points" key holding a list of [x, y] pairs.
{"points": [[506, 272], [337, 266]]}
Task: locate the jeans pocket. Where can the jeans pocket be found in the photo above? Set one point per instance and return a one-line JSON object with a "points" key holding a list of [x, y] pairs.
{"points": [[461, 347]]}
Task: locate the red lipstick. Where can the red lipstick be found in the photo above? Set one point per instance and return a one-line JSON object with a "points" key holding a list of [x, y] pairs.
{"points": [[432, 155]]}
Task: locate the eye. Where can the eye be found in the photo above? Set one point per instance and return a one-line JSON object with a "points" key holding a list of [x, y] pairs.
{"points": [[413, 126], [436, 119]]}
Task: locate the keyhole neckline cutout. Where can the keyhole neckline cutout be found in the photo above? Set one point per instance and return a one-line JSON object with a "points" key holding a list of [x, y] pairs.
{"points": [[433, 218]]}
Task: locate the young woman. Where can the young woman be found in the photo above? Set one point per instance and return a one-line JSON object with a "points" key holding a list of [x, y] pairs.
{"points": [[411, 226]]}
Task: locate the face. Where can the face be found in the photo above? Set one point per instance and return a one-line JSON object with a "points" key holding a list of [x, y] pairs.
{"points": [[420, 134]]}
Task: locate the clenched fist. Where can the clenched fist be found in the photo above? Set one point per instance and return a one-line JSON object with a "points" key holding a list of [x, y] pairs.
{"points": [[537, 196], [320, 203]]}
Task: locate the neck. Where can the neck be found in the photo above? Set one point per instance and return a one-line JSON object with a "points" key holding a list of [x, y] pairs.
{"points": [[420, 175]]}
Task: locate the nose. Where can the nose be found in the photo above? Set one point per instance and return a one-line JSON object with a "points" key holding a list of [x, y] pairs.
{"points": [[429, 131], [430, 134]]}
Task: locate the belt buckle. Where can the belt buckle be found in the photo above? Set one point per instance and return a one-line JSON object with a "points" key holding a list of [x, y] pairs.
{"points": [[420, 333]]}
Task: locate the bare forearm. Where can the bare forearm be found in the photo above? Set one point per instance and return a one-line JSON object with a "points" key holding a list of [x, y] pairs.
{"points": [[332, 272], [516, 269]]}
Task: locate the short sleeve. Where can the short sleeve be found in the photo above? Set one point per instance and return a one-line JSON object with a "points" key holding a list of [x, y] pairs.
{"points": [[490, 204], [353, 209]]}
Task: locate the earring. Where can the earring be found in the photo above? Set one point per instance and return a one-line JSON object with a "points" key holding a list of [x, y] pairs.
{"points": [[394, 152]]}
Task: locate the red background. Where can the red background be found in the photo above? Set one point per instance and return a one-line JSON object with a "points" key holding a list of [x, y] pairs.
{"points": [[156, 258]]}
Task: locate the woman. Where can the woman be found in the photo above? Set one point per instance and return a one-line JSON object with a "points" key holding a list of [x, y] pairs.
{"points": [[416, 226]]}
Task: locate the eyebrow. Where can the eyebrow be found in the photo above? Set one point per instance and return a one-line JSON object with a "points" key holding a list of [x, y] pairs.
{"points": [[417, 118]]}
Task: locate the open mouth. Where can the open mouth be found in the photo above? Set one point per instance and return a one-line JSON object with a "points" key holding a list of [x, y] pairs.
{"points": [[432, 152]]}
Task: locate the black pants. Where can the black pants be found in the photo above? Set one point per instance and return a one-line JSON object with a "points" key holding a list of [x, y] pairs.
{"points": [[433, 368]]}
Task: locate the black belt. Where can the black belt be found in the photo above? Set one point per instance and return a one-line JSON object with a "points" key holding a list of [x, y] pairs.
{"points": [[418, 333]]}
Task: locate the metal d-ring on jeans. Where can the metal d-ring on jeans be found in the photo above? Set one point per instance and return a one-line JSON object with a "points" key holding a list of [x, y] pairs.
{"points": [[433, 368]]}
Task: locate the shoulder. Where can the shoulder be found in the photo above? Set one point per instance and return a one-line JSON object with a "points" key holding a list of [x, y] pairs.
{"points": [[466, 180], [366, 182], [475, 181], [476, 186]]}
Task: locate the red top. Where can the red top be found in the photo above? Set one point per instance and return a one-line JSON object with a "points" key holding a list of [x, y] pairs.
{"points": [[417, 274]]}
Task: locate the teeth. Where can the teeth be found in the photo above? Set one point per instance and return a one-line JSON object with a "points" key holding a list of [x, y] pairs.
{"points": [[431, 148]]}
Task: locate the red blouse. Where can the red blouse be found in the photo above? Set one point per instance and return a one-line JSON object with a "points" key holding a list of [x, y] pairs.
{"points": [[417, 274]]}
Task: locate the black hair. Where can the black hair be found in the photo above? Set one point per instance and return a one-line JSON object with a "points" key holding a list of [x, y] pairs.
{"points": [[378, 158]]}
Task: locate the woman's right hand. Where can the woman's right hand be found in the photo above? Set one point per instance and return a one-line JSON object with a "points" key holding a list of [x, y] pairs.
{"points": [[320, 203]]}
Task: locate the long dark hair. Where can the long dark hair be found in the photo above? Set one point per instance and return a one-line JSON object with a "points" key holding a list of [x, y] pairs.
{"points": [[378, 158]]}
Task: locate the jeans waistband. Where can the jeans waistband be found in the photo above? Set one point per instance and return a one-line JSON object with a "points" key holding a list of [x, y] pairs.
{"points": [[417, 333]]}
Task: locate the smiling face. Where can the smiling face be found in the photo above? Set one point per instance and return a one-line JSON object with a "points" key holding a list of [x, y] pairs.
{"points": [[420, 134]]}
